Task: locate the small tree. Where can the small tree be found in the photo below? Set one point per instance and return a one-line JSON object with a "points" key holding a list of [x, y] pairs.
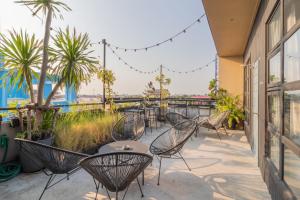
{"points": [[107, 77], [164, 93], [22, 56]]}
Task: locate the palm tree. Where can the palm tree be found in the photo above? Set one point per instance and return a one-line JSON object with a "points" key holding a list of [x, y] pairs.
{"points": [[71, 58], [22, 55], [50, 9], [107, 77]]}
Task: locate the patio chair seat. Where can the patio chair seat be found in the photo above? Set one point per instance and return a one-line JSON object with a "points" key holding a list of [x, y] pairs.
{"points": [[115, 171]]}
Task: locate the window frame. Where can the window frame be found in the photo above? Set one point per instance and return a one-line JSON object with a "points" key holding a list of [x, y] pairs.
{"points": [[280, 88]]}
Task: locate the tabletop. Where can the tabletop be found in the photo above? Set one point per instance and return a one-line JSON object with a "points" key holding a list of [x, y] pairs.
{"points": [[134, 146]]}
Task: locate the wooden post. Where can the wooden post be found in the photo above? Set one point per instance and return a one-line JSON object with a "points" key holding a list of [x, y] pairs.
{"points": [[29, 124]]}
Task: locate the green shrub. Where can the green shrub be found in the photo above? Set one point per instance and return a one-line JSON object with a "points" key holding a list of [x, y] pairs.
{"points": [[84, 130], [225, 102]]}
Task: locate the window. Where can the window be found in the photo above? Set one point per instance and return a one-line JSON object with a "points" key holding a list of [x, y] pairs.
{"points": [[274, 150], [292, 171], [274, 112], [275, 69], [283, 91], [292, 115], [292, 58], [274, 127], [274, 29], [291, 13]]}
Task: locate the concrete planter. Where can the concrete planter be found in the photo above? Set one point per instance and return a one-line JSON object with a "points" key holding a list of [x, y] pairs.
{"points": [[29, 164]]}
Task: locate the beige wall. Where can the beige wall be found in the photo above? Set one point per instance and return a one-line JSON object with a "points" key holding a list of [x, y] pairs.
{"points": [[231, 75]]}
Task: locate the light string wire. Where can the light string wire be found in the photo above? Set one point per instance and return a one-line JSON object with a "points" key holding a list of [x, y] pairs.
{"points": [[158, 43], [157, 69], [130, 66], [192, 70]]}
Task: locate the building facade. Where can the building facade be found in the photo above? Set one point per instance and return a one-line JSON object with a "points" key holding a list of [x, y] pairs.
{"points": [[258, 43]]}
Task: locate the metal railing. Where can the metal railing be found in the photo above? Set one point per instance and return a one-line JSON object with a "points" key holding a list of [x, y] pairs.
{"points": [[182, 105]]}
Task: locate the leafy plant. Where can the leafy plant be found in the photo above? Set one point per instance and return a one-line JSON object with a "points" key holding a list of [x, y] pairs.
{"points": [[71, 59], [227, 102], [231, 103], [22, 56]]}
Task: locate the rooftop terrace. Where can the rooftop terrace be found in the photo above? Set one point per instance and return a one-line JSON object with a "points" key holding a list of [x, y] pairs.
{"points": [[223, 169]]}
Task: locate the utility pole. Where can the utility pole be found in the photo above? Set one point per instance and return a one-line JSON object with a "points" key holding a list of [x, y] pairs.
{"points": [[216, 71], [160, 85], [104, 76]]}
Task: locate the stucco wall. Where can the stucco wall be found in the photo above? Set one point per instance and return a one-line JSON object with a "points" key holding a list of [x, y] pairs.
{"points": [[231, 75]]}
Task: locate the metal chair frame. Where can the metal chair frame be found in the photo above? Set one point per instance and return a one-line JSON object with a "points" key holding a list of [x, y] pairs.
{"points": [[173, 152], [49, 170]]}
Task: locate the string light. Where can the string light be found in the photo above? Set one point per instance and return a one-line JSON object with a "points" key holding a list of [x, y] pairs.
{"points": [[157, 44], [136, 69]]}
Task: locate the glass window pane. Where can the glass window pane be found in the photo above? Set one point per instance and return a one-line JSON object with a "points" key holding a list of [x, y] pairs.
{"points": [[274, 69], [292, 171], [274, 29], [274, 149], [292, 58], [292, 115], [274, 111], [291, 13]]}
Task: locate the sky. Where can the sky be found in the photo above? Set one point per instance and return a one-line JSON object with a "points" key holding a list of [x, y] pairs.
{"points": [[133, 24]]}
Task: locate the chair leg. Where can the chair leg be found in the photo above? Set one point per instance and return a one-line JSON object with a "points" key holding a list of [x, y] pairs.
{"points": [[108, 193], [140, 187], [97, 187], [224, 127], [52, 176], [218, 134], [184, 161], [159, 170], [124, 193]]}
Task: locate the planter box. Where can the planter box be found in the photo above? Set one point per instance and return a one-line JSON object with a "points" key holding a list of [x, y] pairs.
{"points": [[11, 132]]}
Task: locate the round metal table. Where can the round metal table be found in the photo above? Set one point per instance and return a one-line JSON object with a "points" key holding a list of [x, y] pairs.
{"points": [[134, 146]]}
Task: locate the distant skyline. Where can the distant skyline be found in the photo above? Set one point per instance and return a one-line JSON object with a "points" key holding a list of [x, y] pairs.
{"points": [[133, 24]]}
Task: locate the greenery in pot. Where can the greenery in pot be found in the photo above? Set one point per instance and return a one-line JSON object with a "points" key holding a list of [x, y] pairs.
{"points": [[225, 102]]}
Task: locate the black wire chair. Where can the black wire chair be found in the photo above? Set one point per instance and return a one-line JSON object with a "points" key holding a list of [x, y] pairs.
{"points": [[214, 122], [128, 128], [56, 161], [174, 118], [116, 171], [169, 143]]}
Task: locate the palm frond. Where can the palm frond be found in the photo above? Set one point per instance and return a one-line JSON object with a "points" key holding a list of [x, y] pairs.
{"points": [[43, 6], [22, 56], [71, 58]]}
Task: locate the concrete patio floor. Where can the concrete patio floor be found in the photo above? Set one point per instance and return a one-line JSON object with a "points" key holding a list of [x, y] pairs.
{"points": [[223, 169]]}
